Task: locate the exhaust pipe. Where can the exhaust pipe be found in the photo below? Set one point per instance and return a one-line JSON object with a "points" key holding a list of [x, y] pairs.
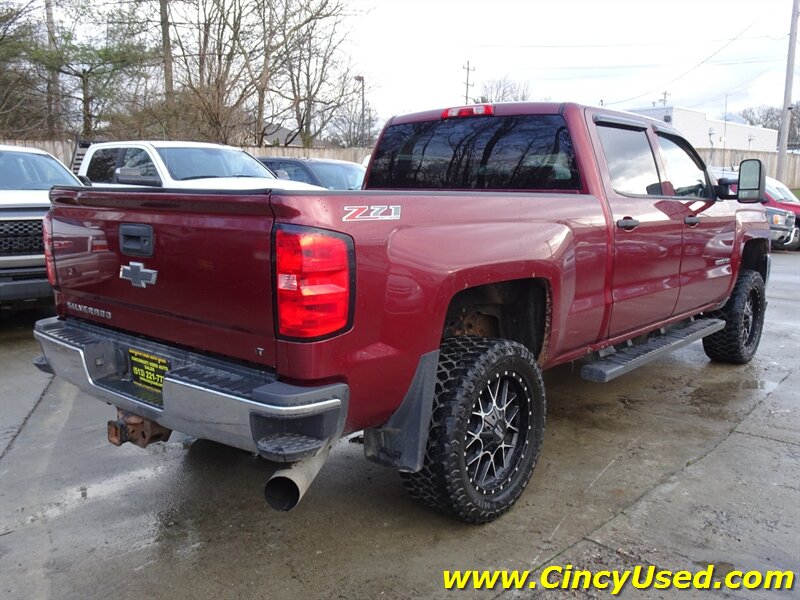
{"points": [[286, 487]]}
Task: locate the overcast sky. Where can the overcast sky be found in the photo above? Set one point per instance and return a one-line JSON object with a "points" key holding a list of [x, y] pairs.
{"points": [[625, 53]]}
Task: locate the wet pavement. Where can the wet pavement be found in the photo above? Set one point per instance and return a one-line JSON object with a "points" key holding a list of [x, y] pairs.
{"points": [[681, 463]]}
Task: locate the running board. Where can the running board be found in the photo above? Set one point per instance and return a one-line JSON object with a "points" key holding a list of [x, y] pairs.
{"points": [[623, 361]]}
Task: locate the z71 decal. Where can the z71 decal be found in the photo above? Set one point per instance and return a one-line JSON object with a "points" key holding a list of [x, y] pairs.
{"points": [[371, 213]]}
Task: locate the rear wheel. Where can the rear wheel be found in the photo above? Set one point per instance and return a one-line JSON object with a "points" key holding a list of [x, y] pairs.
{"points": [[486, 429], [744, 322]]}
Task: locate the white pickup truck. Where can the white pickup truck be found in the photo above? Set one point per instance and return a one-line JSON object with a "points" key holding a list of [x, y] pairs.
{"points": [[179, 165]]}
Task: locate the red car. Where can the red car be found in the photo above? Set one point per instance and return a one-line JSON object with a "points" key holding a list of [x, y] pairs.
{"points": [[779, 196]]}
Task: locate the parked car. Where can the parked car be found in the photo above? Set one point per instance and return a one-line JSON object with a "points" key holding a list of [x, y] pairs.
{"points": [[193, 165], [781, 197], [26, 176], [782, 227], [324, 172]]}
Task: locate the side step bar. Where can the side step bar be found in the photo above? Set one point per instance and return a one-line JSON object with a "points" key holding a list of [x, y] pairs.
{"points": [[623, 361]]}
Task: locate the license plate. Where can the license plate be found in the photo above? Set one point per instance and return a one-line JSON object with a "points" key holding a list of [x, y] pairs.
{"points": [[148, 370]]}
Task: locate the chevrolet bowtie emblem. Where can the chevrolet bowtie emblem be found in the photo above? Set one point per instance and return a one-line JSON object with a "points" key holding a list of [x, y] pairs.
{"points": [[138, 275]]}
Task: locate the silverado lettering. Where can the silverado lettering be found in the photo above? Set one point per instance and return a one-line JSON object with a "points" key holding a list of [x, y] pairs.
{"points": [[533, 234], [97, 312]]}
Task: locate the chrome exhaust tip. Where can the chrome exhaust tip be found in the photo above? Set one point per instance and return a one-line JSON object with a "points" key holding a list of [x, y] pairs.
{"points": [[284, 490]]}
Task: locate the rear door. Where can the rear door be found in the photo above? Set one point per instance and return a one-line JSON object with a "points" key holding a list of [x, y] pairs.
{"points": [[647, 227], [191, 269]]}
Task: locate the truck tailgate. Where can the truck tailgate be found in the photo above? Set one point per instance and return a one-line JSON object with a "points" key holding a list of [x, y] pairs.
{"points": [[187, 268]]}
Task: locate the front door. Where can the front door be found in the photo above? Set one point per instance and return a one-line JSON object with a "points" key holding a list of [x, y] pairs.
{"points": [[709, 226]]}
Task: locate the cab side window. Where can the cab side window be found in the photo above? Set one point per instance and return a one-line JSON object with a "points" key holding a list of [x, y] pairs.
{"points": [[630, 160], [102, 165], [688, 178], [139, 159]]}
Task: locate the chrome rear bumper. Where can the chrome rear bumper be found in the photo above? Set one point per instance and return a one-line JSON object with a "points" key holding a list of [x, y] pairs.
{"points": [[204, 397]]}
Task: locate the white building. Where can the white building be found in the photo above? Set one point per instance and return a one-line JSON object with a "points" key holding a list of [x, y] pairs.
{"points": [[703, 132]]}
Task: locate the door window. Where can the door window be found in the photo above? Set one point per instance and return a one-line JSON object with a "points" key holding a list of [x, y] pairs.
{"points": [[686, 176], [137, 158], [630, 161]]}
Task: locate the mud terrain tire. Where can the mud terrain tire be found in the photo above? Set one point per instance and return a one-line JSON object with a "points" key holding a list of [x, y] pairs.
{"points": [[744, 318], [486, 429]]}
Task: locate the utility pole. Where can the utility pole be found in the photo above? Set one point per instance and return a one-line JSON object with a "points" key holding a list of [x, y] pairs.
{"points": [[664, 98], [54, 110], [783, 140], [166, 50], [467, 83], [362, 141]]}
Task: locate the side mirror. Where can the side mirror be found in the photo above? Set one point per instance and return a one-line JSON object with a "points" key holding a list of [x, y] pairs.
{"points": [[84, 180], [281, 174], [133, 176], [752, 179]]}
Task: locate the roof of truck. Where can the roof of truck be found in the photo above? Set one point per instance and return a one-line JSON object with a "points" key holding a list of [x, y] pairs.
{"points": [[529, 108], [161, 144]]}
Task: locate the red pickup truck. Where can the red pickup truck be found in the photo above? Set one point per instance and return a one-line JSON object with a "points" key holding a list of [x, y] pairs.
{"points": [[491, 242]]}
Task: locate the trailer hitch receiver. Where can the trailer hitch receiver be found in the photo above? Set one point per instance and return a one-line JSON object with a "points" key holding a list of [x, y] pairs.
{"points": [[135, 429]]}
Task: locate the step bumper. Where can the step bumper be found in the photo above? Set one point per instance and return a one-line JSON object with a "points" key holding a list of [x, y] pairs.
{"points": [[203, 397]]}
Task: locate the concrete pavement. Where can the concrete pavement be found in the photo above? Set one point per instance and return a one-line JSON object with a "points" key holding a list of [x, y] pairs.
{"points": [[679, 463]]}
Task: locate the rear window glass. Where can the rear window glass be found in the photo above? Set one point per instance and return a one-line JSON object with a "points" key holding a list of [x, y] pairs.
{"points": [[102, 164], [525, 152]]}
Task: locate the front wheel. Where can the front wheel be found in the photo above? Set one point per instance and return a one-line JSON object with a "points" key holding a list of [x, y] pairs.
{"points": [[744, 322], [486, 429]]}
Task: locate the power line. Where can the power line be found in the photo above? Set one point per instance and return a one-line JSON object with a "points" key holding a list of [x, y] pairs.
{"points": [[637, 45], [682, 75]]}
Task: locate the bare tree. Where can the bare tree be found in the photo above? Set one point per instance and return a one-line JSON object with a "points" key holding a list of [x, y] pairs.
{"points": [[503, 90], [762, 116], [770, 117], [319, 78], [231, 71], [278, 28], [213, 71], [345, 128]]}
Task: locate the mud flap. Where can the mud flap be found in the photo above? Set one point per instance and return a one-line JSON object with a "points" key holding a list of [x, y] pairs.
{"points": [[401, 441]]}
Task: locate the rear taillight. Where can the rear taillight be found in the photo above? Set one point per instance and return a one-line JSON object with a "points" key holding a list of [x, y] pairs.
{"points": [[49, 259], [313, 282]]}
